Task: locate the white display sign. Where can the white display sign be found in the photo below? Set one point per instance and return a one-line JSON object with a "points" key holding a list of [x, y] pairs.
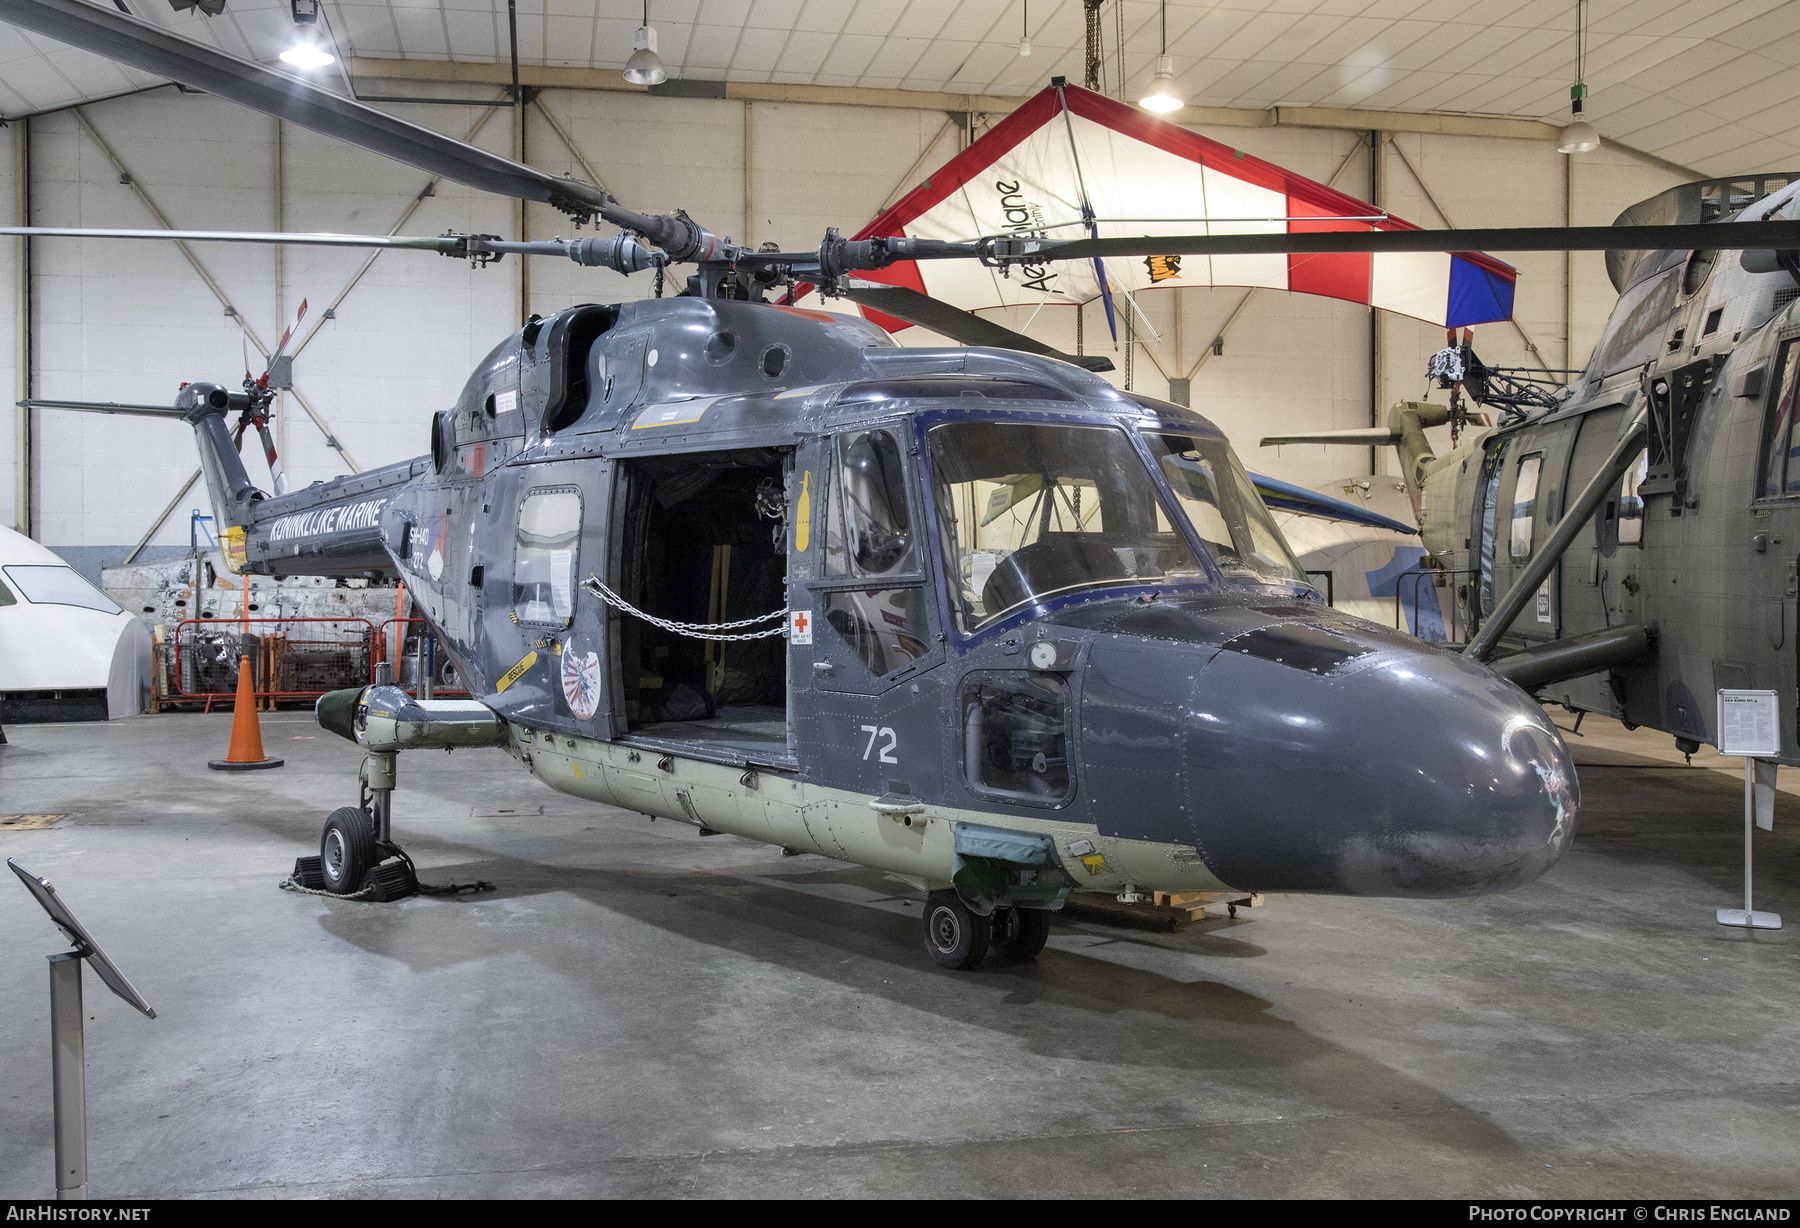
{"points": [[1749, 724]]}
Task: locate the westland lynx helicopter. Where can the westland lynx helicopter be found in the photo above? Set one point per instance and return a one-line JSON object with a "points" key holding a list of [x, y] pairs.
{"points": [[972, 617], [1635, 532]]}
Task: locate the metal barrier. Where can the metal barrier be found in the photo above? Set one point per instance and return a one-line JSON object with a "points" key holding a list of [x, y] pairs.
{"points": [[200, 661], [1455, 622], [439, 667]]}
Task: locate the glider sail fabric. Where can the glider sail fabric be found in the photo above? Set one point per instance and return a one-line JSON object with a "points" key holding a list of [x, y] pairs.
{"points": [[1071, 164]]}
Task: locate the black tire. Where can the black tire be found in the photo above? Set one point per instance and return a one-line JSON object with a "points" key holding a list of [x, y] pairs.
{"points": [[347, 849], [1020, 933], [956, 938]]}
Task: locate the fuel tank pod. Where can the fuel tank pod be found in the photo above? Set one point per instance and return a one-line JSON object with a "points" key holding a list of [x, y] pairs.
{"points": [[1316, 752], [386, 718]]}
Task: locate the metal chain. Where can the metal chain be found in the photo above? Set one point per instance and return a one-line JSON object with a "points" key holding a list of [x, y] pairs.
{"points": [[698, 631], [288, 884]]}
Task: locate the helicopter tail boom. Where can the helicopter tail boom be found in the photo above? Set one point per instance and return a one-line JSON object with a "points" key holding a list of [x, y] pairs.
{"points": [[326, 529]]}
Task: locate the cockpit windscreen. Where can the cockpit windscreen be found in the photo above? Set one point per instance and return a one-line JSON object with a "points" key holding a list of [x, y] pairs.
{"points": [[1030, 511], [1224, 508]]}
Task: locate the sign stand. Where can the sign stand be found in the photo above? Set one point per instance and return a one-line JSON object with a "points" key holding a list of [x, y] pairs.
{"points": [[68, 1071], [1750, 725]]}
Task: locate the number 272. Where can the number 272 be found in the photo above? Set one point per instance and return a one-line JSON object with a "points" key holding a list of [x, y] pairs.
{"points": [[887, 747]]}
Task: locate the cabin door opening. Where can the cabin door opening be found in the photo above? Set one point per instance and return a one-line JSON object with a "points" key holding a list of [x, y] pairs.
{"points": [[705, 543]]}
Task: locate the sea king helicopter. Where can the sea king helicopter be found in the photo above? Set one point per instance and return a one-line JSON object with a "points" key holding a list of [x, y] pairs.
{"points": [[1635, 534], [970, 616]]}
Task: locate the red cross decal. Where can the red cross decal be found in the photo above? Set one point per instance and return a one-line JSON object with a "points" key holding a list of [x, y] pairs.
{"points": [[800, 621]]}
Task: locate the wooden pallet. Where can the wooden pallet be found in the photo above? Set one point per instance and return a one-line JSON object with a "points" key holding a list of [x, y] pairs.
{"points": [[1196, 903], [1158, 914]]}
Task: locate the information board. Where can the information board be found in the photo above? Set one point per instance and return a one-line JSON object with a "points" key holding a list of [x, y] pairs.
{"points": [[1749, 724]]}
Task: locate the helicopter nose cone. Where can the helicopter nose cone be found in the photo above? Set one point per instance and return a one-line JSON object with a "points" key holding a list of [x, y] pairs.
{"points": [[1334, 755]]}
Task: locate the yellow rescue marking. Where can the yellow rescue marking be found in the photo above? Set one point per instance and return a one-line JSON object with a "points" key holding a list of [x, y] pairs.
{"points": [[803, 514], [577, 768], [517, 671], [798, 392], [28, 822], [673, 415], [1094, 863]]}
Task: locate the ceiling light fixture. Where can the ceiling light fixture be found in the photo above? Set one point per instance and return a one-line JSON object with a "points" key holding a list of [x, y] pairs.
{"points": [[645, 67], [1162, 97], [1025, 28], [1579, 136], [305, 52]]}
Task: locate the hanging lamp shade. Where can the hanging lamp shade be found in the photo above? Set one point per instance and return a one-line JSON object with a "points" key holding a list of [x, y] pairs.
{"points": [[1578, 137], [645, 67], [1161, 96]]}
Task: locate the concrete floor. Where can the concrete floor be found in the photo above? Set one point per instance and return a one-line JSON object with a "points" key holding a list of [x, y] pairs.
{"points": [[638, 1011]]}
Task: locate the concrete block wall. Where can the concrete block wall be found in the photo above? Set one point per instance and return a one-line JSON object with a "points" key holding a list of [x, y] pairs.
{"points": [[129, 321]]}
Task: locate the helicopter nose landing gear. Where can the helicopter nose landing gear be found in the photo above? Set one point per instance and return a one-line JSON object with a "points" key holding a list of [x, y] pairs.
{"points": [[357, 853]]}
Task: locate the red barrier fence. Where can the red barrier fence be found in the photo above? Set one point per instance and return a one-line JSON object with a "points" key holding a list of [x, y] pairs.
{"points": [[291, 658], [392, 646]]}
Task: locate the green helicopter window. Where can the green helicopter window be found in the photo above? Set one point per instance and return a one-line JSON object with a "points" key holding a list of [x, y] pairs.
{"points": [[1525, 493], [1781, 448], [544, 565]]}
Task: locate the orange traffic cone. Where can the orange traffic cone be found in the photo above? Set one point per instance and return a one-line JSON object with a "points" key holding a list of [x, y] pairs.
{"points": [[246, 753]]}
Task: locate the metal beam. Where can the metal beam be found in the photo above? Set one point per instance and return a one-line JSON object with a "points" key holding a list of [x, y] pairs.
{"points": [[162, 517], [540, 77], [430, 189], [562, 135], [905, 181], [130, 180], [21, 169], [1405, 121]]}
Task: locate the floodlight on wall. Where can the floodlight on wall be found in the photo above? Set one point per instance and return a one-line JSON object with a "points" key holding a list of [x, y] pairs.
{"points": [[1579, 136], [1161, 96], [645, 67]]}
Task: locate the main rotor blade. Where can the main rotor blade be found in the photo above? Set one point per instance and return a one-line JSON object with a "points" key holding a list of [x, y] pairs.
{"points": [[446, 244], [1732, 236], [953, 322], [152, 49], [106, 407]]}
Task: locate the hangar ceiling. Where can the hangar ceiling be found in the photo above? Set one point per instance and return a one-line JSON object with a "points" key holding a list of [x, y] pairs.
{"points": [[1706, 84]]}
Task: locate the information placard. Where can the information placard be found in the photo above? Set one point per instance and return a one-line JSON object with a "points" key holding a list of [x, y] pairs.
{"points": [[1749, 724]]}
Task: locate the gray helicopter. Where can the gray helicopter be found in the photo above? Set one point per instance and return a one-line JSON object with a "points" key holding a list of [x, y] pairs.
{"points": [[970, 616], [1642, 523]]}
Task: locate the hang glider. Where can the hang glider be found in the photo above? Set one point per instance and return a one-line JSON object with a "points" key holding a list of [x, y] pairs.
{"points": [[1071, 164]]}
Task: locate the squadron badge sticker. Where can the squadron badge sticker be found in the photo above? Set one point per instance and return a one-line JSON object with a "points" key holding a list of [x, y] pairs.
{"points": [[581, 682]]}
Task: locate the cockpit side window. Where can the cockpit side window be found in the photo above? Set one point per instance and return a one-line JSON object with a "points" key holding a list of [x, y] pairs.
{"points": [[868, 528], [1524, 512], [869, 535], [544, 563], [1780, 464], [1487, 506]]}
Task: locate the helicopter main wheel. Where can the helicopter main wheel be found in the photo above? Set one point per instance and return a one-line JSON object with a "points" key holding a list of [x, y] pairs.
{"points": [[1020, 933], [347, 849], [956, 937]]}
